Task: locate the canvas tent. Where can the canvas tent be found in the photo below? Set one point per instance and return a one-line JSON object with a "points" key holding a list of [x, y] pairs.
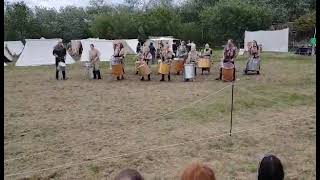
{"points": [[15, 47], [275, 41], [130, 45], [39, 52], [6, 53], [75, 46], [104, 46]]}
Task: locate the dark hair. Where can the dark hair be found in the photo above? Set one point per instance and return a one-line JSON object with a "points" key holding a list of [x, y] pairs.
{"points": [[92, 45], [129, 174], [270, 168], [198, 171], [256, 44]]}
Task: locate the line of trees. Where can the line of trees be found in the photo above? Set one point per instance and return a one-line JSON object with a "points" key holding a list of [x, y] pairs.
{"points": [[201, 21]]}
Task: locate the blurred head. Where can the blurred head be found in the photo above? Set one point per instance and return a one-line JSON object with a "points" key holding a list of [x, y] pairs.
{"points": [[197, 171], [91, 46], [270, 168], [254, 43], [129, 174], [230, 42], [183, 43], [146, 49], [151, 44], [207, 46], [193, 47]]}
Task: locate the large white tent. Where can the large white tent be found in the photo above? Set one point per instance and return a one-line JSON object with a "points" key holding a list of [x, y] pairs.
{"points": [[132, 45], [75, 46], [156, 41], [39, 52], [6, 53], [104, 46], [14, 47], [275, 41]]}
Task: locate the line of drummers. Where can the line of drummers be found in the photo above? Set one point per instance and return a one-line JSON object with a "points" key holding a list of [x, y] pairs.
{"points": [[182, 62]]}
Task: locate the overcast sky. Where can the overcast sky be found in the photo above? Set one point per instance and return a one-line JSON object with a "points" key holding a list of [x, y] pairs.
{"points": [[58, 3]]}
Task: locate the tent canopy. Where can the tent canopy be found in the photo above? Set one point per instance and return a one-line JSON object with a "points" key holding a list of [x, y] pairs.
{"points": [[6, 53], [15, 47], [275, 41], [39, 52], [104, 46], [130, 45]]}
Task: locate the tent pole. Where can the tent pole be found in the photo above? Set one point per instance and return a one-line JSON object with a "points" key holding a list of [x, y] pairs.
{"points": [[231, 108]]}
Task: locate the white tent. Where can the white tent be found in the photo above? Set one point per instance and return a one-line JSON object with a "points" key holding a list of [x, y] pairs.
{"points": [[104, 46], [14, 47], [39, 52], [5, 64], [130, 45], [276, 41], [156, 41], [6, 52], [75, 46]]}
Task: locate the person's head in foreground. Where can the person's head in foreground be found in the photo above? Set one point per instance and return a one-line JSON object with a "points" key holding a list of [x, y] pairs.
{"points": [[270, 168], [91, 46], [129, 174], [230, 43], [197, 171]]}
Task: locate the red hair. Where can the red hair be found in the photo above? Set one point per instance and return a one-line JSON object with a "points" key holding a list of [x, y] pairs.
{"points": [[198, 171]]}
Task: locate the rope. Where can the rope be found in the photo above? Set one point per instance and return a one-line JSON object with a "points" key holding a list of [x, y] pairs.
{"points": [[146, 150], [163, 115]]}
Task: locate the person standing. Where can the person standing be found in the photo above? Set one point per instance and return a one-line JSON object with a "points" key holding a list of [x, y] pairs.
{"points": [[118, 57], [60, 53], [167, 56], [229, 54], [94, 56], [207, 54], [153, 52], [193, 57]]}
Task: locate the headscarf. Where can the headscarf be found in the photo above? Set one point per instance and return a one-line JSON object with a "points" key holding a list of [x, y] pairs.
{"points": [[207, 46]]}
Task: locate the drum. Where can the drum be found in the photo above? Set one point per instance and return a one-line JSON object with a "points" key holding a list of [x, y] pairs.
{"points": [[188, 71], [253, 64], [144, 69], [117, 70], [204, 63], [227, 72], [177, 65], [164, 68]]}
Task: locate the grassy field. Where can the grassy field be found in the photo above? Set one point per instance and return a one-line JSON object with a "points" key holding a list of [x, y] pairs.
{"points": [[85, 129]]}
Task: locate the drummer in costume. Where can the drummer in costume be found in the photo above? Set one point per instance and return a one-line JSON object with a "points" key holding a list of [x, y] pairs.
{"points": [[182, 52], [94, 57], [207, 54], [166, 57], [60, 53], [254, 54], [192, 56], [145, 57], [229, 54], [119, 57]]}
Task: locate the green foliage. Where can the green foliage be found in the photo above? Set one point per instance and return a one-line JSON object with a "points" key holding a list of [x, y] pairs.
{"points": [[305, 25], [201, 21], [229, 19]]}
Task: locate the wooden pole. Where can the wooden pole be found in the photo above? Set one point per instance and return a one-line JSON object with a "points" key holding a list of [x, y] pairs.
{"points": [[231, 108]]}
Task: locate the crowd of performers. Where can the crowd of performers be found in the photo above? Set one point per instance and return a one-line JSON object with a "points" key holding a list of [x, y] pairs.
{"points": [[184, 61]]}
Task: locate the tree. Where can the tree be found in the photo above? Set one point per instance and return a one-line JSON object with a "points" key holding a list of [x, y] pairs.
{"points": [[230, 19], [305, 26], [18, 21]]}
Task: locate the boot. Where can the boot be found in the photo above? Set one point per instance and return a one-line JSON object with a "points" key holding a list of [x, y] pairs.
{"points": [[149, 77], [64, 75], [142, 79], [57, 74], [162, 77], [137, 72], [94, 74], [122, 77], [195, 71], [168, 77], [202, 71], [98, 73], [118, 78]]}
